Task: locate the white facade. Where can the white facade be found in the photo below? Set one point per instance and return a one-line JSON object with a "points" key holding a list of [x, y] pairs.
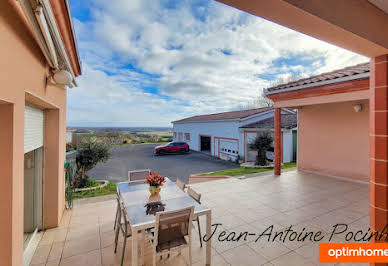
{"points": [[227, 140], [69, 136]]}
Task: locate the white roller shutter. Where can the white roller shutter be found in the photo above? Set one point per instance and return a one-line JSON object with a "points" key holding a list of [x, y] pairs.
{"points": [[229, 147], [33, 128]]}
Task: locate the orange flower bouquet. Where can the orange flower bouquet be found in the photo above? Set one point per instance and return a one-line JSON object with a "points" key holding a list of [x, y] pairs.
{"points": [[155, 181]]}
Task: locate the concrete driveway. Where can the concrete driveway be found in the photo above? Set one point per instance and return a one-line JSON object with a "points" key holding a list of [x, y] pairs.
{"points": [[132, 157]]}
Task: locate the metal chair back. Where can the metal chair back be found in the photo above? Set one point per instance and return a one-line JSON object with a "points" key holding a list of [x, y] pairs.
{"points": [[137, 175], [197, 197], [194, 194], [180, 184], [173, 225]]}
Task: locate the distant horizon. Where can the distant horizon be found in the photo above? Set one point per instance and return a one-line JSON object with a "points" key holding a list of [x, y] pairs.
{"points": [[143, 128], [113, 124], [158, 127]]}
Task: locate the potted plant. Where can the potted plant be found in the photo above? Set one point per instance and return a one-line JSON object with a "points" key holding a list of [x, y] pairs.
{"points": [[155, 181]]}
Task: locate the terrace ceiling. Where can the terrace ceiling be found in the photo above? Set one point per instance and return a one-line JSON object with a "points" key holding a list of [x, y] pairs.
{"points": [[356, 25], [382, 4]]}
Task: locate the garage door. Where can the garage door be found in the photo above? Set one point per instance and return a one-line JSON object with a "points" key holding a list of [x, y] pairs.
{"points": [[33, 128], [228, 149]]}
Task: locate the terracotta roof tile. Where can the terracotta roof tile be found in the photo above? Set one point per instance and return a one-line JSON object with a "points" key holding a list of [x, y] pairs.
{"points": [[345, 72], [225, 115], [288, 121]]}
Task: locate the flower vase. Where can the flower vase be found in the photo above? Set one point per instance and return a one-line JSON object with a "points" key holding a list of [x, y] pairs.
{"points": [[154, 190]]}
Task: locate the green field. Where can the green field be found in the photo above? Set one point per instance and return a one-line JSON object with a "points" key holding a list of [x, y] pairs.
{"points": [[117, 138], [108, 189]]}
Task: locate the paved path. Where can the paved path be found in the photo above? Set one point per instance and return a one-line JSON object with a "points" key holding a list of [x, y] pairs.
{"points": [[131, 157]]}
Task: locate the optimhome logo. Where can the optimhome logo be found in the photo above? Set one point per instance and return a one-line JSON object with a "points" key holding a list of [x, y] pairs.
{"points": [[353, 252]]}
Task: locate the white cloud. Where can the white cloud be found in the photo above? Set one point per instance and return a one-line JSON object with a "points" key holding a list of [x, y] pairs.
{"points": [[207, 64]]}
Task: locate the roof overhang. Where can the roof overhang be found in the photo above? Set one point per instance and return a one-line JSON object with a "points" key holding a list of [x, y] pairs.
{"points": [[63, 17], [296, 103], [242, 119], [206, 121], [353, 25], [225, 120], [324, 89], [319, 84]]}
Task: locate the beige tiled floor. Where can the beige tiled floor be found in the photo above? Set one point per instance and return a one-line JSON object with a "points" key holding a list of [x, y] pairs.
{"points": [[301, 200]]}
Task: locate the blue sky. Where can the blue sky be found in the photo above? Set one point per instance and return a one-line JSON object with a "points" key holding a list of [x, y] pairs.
{"points": [[149, 62]]}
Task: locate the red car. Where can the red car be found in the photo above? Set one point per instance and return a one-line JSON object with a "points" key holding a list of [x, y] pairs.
{"points": [[172, 147]]}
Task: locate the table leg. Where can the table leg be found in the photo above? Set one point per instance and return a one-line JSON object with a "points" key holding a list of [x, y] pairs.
{"points": [[134, 247], [142, 246], [209, 241]]}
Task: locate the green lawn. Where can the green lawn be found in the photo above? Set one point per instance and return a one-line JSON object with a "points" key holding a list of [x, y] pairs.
{"points": [[108, 189], [111, 187], [245, 171]]}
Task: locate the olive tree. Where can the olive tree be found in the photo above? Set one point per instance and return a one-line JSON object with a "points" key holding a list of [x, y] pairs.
{"points": [[89, 153], [262, 143]]}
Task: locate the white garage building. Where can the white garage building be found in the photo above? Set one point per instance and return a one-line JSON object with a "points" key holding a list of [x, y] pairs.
{"points": [[228, 135]]}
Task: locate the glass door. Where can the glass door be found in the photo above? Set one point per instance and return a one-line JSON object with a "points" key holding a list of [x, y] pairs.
{"points": [[33, 193]]}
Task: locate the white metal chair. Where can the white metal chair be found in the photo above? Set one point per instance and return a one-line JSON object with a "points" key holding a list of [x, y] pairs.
{"points": [[137, 175], [122, 226], [171, 230], [117, 210], [197, 197], [118, 200], [180, 184]]}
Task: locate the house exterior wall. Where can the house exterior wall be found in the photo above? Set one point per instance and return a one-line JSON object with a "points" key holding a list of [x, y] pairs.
{"points": [[333, 139], [222, 132], [23, 70], [213, 129], [69, 137]]}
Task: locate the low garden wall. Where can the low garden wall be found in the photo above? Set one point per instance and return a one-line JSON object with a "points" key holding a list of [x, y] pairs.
{"points": [[197, 178], [104, 184]]}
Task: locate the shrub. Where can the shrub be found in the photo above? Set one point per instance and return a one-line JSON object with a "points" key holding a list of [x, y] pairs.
{"points": [[70, 147], [90, 153], [262, 143], [92, 183]]}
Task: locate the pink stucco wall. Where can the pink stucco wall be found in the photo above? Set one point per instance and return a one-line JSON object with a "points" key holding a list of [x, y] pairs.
{"points": [[23, 70], [333, 139]]}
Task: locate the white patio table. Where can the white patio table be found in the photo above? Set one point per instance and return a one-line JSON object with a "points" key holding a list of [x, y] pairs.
{"points": [[135, 196]]}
